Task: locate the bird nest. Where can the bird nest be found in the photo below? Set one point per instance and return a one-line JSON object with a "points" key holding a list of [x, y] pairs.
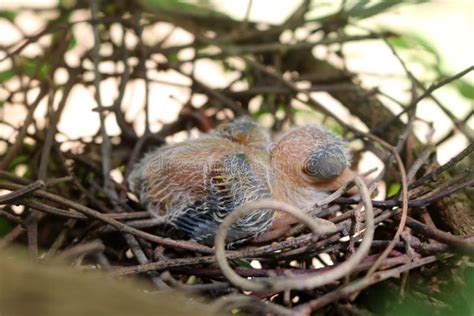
{"points": [[60, 199]]}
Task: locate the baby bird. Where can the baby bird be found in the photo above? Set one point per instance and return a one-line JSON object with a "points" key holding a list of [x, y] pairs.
{"points": [[307, 163], [195, 184]]}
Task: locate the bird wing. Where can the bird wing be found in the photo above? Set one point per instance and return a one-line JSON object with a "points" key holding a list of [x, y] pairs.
{"points": [[174, 176], [232, 181]]}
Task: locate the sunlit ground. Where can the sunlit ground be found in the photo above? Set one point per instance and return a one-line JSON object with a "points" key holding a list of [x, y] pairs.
{"points": [[446, 24]]}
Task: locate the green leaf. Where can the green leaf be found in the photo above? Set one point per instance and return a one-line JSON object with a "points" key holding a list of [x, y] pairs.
{"points": [[363, 8], [5, 226], [35, 68], [258, 114], [72, 43], [241, 263], [393, 189], [67, 3], [110, 8], [414, 43], [363, 11], [401, 41], [337, 129], [250, 80], [464, 88], [202, 9], [7, 75], [173, 57], [170, 4], [18, 160], [359, 6], [8, 15], [227, 67], [192, 280]]}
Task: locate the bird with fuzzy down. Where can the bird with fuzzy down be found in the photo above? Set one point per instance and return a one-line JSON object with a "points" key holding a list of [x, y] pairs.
{"points": [[194, 184], [306, 163]]}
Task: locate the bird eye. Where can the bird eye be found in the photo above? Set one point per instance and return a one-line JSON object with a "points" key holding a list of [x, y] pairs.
{"points": [[326, 163], [311, 166]]}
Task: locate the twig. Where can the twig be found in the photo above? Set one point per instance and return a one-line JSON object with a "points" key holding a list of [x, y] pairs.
{"points": [[83, 249], [404, 186], [106, 146], [11, 236], [420, 161], [142, 67], [143, 223], [142, 259], [19, 141], [252, 273], [308, 282], [433, 175], [456, 242], [12, 197], [359, 285], [10, 217], [436, 86], [122, 227], [269, 250], [197, 288], [60, 238], [227, 303], [52, 126], [125, 127], [303, 45], [335, 194]]}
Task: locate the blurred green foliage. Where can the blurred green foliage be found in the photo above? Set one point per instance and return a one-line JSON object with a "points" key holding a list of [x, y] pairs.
{"points": [[420, 51], [5, 226], [202, 8], [446, 290]]}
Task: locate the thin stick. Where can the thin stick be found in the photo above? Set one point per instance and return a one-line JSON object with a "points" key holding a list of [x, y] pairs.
{"points": [[403, 218], [457, 242], [359, 285], [106, 146], [120, 226], [296, 282], [433, 175], [82, 249], [12, 197]]}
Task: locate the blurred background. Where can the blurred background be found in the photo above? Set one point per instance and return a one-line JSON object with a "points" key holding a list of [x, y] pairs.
{"points": [[433, 43]]}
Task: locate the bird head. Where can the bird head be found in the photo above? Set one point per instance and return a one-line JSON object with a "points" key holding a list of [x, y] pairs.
{"points": [[244, 130], [310, 156]]}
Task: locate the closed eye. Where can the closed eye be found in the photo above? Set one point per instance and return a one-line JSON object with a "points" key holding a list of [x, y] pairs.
{"points": [[325, 163]]}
